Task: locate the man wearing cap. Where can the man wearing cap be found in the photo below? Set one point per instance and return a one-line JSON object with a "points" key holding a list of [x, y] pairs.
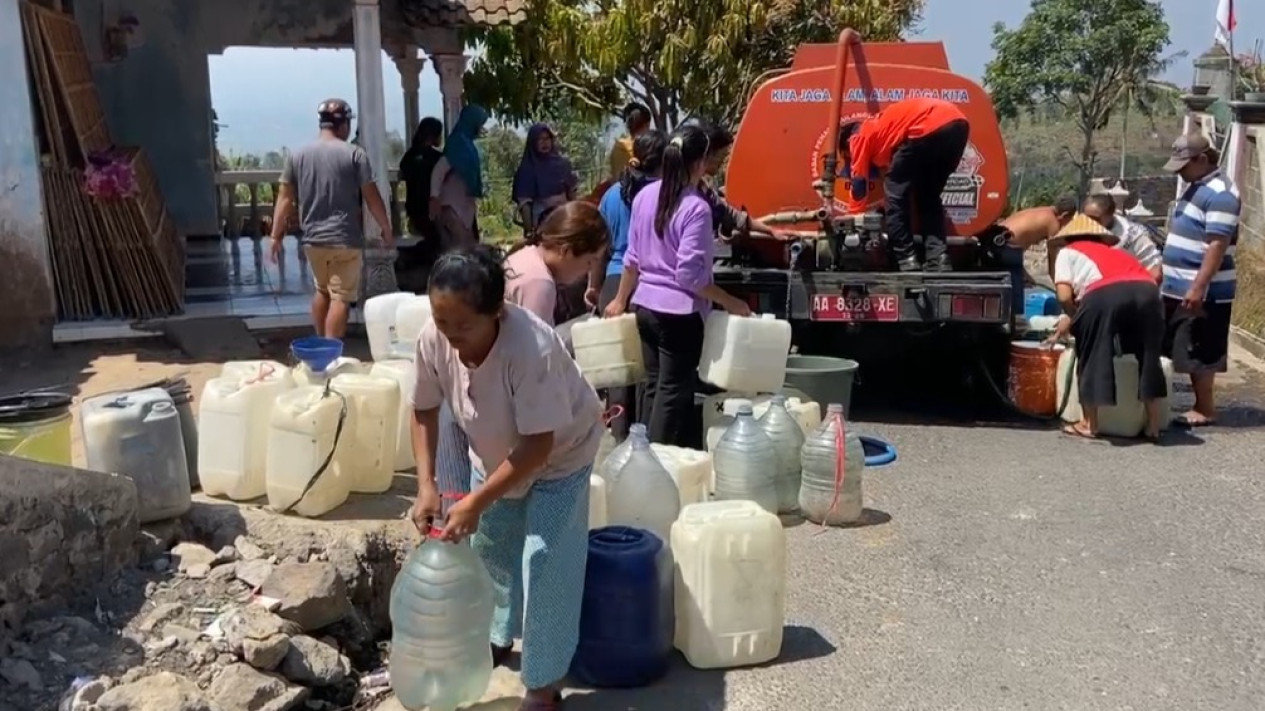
{"points": [[329, 178], [1198, 282]]}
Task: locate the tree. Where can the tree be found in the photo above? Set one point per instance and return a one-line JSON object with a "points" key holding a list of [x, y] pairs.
{"points": [[1089, 57], [678, 57]]}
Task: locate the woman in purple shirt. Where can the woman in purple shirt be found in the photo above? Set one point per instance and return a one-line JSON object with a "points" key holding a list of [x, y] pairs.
{"points": [[668, 275]]}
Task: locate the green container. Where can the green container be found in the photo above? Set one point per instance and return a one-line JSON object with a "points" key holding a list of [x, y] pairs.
{"points": [[36, 426], [825, 379]]}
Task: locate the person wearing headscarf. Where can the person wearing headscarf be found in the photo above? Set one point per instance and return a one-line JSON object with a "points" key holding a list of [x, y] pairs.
{"points": [[1108, 296], [544, 179], [456, 183]]}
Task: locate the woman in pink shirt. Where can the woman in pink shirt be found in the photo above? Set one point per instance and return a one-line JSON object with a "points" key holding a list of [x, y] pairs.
{"points": [[560, 252], [668, 275], [533, 426]]}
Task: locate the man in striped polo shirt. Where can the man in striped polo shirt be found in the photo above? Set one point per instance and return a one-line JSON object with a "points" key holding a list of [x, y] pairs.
{"points": [[1199, 280]]}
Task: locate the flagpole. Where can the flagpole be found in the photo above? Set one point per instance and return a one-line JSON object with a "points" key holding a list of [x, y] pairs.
{"points": [[1234, 61]]}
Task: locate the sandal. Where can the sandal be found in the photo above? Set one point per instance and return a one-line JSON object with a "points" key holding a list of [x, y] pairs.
{"points": [[1185, 422], [1075, 431], [532, 703]]}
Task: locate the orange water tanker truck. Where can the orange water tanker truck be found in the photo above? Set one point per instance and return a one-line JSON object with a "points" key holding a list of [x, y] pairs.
{"points": [[837, 280]]}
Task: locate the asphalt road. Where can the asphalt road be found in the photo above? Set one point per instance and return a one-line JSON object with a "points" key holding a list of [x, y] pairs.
{"points": [[1015, 568]]}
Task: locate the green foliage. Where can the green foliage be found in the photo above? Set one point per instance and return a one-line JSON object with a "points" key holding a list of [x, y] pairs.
{"points": [[678, 57], [1087, 57]]}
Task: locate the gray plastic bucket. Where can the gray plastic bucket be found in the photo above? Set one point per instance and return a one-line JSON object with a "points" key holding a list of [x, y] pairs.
{"points": [[825, 379]]}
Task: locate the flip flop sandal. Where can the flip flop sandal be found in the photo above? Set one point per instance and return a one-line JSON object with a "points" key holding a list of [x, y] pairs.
{"points": [[1074, 431], [532, 703], [1184, 423]]}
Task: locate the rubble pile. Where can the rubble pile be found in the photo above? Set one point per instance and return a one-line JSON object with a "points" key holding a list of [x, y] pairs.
{"points": [[196, 628]]}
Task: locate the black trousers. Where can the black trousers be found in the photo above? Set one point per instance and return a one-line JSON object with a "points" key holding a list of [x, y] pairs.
{"points": [[625, 398], [1130, 311], [920, 169], [672, 345]]}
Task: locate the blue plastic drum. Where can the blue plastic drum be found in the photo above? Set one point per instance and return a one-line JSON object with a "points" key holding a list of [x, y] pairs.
{"points": [[622, 640]]}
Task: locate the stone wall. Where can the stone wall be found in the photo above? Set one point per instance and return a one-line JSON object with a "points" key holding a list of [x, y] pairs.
{"points": [[1249, 307], [63, 532]]}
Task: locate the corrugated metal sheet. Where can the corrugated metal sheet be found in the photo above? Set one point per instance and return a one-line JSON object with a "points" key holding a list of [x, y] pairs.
{"points": [[460, 13]]}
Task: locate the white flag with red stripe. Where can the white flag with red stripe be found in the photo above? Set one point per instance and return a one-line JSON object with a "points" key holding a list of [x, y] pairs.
{"points": [[1225, 22]]}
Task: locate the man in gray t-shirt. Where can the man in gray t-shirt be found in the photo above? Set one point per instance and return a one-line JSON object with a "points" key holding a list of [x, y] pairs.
{"points": [[329, 178]]}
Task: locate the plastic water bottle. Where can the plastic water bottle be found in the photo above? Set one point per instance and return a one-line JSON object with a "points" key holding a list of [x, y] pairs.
{"points": [[832, 460], [788, 439], [441, 615], [641, 493], [746, 463]]}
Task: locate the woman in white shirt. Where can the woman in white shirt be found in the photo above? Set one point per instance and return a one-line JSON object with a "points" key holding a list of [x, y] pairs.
{"points": [[1107, 295]]}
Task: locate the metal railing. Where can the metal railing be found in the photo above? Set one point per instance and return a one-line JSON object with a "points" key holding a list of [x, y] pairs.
{"points": [[253, 217]]}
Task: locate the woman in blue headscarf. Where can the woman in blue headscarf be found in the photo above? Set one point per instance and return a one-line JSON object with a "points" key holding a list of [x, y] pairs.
{"points": [[544, 179], [456, 184]]}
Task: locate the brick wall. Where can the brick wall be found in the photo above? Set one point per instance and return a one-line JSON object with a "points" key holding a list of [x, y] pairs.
{"points": [[1249, 308]]}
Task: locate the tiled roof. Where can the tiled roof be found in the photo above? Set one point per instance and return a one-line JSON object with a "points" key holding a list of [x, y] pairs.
{"points": [[459, 13]]}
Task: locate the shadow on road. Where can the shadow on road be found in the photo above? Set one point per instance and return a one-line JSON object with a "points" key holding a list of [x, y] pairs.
{"points": [[696, 689]]}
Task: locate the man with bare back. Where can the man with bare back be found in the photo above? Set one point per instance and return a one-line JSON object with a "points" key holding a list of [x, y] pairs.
{"points": [[1038, 224]]}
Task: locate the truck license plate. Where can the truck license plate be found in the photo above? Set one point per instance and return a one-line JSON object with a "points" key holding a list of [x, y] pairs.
{"points": [[871, 307]]}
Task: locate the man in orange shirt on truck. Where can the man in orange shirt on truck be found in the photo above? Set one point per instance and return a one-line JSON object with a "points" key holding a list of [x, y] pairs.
{"points": [[914, 145]]}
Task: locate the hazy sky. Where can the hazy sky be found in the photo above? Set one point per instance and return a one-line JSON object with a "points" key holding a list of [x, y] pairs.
{"points": [[267, 97]]}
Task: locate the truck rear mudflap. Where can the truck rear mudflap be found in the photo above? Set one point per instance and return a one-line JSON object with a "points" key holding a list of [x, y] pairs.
{"points": [[874, 297]]}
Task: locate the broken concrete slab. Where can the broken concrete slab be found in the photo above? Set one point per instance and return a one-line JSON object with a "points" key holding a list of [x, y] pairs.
{"points": [[161, 692], [63, 532]]}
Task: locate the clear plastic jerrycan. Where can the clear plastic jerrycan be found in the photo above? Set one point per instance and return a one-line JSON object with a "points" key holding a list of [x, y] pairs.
{"points": [[303, 475], [233, 417], [788, 441], [832, 460], [441, 619], [608, 351], [597, 501], [342, 365], [604, 448], [730, 584], [256, 369], [405, 375], [615, 459], [1127, 418], [367, 449], [746, 463], [380, 314], [137, 434], [745, 353], [690, 469], [411, 316], [641, 493]]}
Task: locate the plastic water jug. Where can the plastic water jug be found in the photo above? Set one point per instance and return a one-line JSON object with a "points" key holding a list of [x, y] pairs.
{"points": [[137, 434], [788, 440], [1127, 418], [720, 408], [832, 462], [36, 426], [411, 316], [597, 501], [641, 493], [745, 353], [233, 417], [405, 375], [730, 584], [745, 462], [622, 643], [608, 351], [303, 473], [605, 446], [441, 619], [342, 365], [690, 469], [380, 314], [367, 450], [249, 369], [619, 454]]}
